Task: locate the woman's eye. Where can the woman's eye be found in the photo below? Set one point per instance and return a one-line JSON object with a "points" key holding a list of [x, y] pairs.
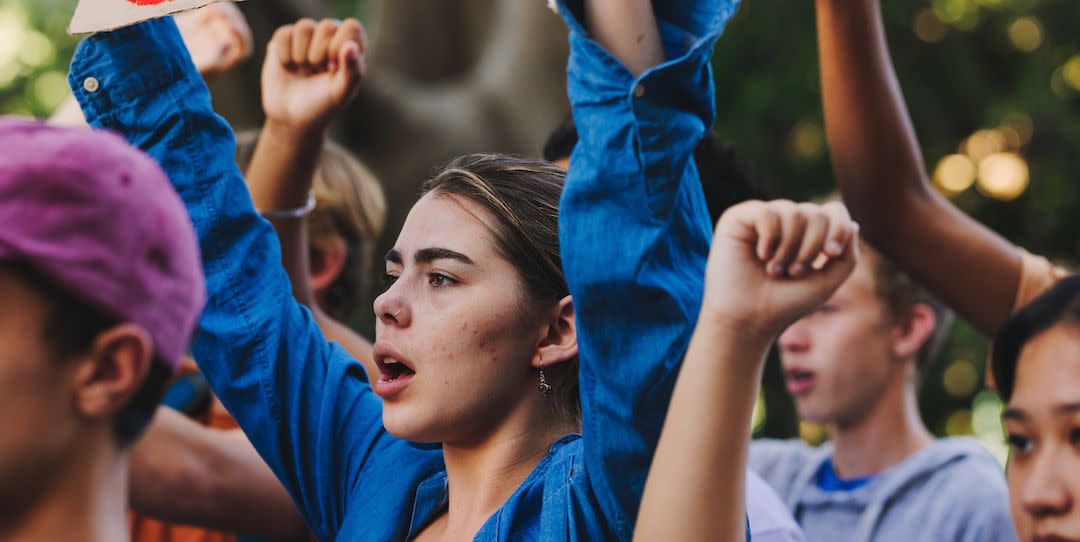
{"points": [[1020, 444], [388, 280], [1074, 437], [438, 280]]}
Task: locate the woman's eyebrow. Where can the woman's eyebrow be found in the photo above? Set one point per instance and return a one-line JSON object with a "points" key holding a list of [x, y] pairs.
{"points": [[1019, 415], [427, 255]]}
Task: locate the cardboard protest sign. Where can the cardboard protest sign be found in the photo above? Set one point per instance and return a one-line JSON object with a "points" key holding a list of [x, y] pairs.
{"points": [[100, 15]]}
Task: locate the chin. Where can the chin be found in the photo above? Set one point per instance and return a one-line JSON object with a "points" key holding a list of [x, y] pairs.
{"points": [[812, 414], [403, 423]]}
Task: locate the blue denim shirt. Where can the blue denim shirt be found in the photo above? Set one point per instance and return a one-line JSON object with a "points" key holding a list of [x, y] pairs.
{"points": [[635, 235]]}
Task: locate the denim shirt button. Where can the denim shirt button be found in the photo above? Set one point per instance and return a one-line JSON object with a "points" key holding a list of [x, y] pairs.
{"points": [[91, 84], [639, 91]]}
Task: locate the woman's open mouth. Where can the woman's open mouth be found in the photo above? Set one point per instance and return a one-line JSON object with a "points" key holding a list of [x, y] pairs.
{"points": [[394, 376]]}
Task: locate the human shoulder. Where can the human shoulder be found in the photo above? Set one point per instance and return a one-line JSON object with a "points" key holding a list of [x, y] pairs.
{"points": [[973, 468], [970, 479], [765, 454], [784, 463]]}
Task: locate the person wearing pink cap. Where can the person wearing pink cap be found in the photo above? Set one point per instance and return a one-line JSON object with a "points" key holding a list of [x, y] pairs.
{"points": [[101, 288]]}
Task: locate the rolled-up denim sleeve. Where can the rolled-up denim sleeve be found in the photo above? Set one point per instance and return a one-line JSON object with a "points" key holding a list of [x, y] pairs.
{"points": [[305, 405], [635, 235]]}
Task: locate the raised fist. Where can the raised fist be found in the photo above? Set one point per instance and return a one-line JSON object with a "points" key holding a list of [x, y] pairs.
{"points": [[771, 263], [217, 36], [312, 72]]}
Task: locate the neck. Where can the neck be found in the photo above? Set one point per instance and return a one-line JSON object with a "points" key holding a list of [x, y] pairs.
{"points": [[890, 432], [483, 474], [84, 500]]}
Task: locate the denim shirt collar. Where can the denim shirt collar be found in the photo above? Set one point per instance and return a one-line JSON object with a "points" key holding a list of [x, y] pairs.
{"points": [[433, 494]]}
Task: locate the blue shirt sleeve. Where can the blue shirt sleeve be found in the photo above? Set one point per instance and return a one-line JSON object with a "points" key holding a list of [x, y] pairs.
{"points": [[635, 235], [305, 405]]}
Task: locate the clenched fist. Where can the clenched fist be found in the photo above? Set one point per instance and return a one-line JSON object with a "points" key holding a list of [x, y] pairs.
{"points": [[771, 263], [217, 36], [312, 72]]}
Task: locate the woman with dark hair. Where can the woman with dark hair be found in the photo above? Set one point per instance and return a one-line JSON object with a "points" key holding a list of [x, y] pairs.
{"points": [[477, 334], [1034, 364]]}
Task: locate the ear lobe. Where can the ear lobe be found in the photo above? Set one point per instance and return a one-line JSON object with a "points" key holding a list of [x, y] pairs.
{"points": [[560, 343], [912, 333], [328, 258], [114, 371]]}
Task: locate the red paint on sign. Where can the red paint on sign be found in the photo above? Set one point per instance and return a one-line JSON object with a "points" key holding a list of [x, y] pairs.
{"points": [[147, 2]]}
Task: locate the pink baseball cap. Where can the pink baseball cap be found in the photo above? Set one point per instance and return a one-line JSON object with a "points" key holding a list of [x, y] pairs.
{"points": [[99, 218]]}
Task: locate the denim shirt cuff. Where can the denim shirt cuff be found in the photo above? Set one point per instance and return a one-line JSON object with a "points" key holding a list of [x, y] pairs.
{"points": [[688, 29], [113, 69]]}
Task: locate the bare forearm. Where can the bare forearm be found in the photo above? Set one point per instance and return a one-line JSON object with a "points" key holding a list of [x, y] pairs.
{"points": [[280, 177], [186, 473], [698, 473], [627, 29], [869, 129], [881, 173]]}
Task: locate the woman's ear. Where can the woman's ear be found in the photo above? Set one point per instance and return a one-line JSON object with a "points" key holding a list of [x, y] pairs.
{"points": [[559, 345], [328, 258], [114, 371]]}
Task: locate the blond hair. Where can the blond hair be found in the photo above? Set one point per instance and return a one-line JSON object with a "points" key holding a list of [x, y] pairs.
{"points": [[350, 206]]}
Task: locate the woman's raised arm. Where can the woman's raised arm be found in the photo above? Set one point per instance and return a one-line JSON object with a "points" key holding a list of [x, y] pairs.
{"points": [[882, 176], [634, 229], [304, 403]]}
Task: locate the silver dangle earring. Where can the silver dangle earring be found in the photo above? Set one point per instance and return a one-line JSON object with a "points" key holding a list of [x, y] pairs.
{"points": [[544, 387]]}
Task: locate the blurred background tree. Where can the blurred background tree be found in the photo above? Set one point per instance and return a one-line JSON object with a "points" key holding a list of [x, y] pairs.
{"points": [[993, 86]]}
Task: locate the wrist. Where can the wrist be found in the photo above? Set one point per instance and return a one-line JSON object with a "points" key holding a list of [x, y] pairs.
{"points": [[295, 134], [737, 327]]}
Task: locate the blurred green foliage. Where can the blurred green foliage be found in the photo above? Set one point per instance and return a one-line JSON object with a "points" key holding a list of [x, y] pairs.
{"points": [[34, 51], [965, 65]]}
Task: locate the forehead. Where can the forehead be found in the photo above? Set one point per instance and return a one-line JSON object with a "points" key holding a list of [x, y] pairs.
{"points": [[447, 221], [860, 286], [1048, 369]]}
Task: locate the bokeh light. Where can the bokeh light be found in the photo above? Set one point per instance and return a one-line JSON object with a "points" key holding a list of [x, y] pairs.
{"points": [[1003, 176], [963, 14], [983, 143], [813, 433], [49, 90], [1022, 124], [955, 173], [960, 379], [36, 50], [807, 140], [986, 424], [1026, 34], [13, 26], [928, 27], [1070, 72], [958, 423]]}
